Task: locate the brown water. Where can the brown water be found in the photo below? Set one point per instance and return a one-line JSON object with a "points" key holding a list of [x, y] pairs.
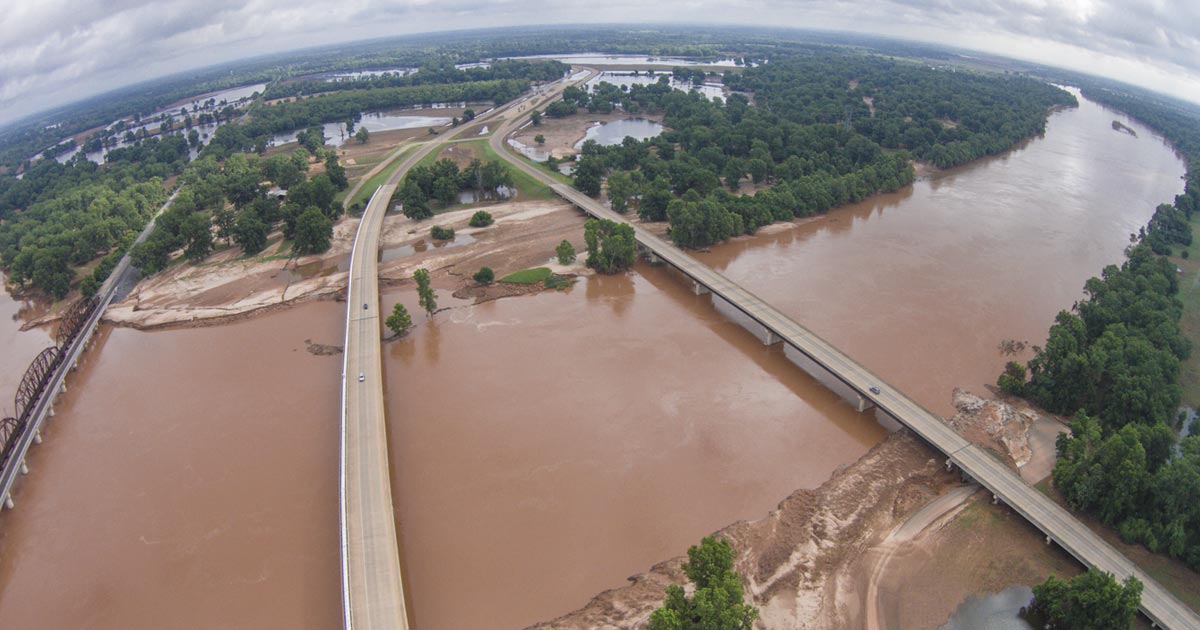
{"points": [[922, 285], [17, 348], [546, 447], [189, 480]]}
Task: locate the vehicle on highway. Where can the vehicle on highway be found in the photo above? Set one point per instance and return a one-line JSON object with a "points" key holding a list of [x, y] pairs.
{"points": [[875, 390], [361, 377]]}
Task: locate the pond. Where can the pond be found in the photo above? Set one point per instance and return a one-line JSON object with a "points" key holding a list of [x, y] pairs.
{"points": [[610, 133], [335, 132], [992, 611]]}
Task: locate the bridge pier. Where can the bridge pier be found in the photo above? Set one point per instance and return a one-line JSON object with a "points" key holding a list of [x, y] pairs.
{"points": [[699, 289], [995, 499], [24, 468], [864, 403], [8, 502], [37, 437]]}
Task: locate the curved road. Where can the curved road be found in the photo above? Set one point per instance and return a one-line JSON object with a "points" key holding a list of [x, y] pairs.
{"points": [[372, 585], [1057, 523]]}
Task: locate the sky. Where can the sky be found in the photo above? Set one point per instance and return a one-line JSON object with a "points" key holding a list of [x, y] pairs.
{"points": [[54, 52]]}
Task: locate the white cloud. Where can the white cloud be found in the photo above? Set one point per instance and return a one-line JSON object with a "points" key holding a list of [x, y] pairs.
{"points": [[56, 51]]}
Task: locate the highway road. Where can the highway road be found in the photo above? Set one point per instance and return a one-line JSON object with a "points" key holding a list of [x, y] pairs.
{"points": [[372, 584], [1058, 524]]}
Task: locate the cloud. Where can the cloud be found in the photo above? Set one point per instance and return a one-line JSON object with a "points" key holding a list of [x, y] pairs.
{"points": [[56, 51]]}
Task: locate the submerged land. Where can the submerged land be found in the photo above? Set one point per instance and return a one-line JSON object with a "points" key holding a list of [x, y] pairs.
{"points": [[879, 533]]}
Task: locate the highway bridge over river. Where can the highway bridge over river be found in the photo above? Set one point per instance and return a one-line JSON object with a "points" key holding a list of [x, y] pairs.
{"points": [[865, 390]]}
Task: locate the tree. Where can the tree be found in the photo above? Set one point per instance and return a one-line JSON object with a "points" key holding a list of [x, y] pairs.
{"points": [[439, 233], [250, 233], [620, 189], [484, 276], [445, 189], [1012, 381], [718, 601], [362, 135], [540, 139], [536, 119], [565, 252], [336, 173], [1090, 601], [416, 206], [588, 174], [399, 322], [196, 229], [481, 218], [611, 246], [314, 232], [426, 296]]}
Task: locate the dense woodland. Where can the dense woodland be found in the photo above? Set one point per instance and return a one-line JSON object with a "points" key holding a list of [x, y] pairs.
{"points": [[1113, 363], [809, 137]]}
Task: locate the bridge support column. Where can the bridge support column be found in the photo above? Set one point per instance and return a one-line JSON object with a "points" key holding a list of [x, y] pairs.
{"points": [[1049, 539], [64, 388], [995, 499], [8, 503], [949, 465], [51, 414], [699, 289], [37, 437], [864, 404], [24, 469], [653, 258]]}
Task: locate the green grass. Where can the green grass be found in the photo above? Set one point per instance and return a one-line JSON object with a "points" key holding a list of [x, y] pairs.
{"points": [[527, 276], [382, 176], [1189, 323]]}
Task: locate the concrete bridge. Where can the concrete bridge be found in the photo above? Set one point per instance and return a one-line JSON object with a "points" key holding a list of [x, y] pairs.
{"points": [[372, 583], [865, 390]]}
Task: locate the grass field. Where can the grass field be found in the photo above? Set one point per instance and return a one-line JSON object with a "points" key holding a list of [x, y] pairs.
{"points": [[527, 276], [527, 187], [368, 188]]}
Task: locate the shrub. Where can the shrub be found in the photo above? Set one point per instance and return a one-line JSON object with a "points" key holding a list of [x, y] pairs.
{"points": [[440, 233], [481, 219], [484, 275], [565, 252]]}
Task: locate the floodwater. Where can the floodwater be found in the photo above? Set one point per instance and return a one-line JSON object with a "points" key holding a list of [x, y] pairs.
{"points": [[19, 348], [615, 131], [624, 78], [992, 611], [922, 285], [597, 59], [188, 480], [335, 132], [546, 447]]}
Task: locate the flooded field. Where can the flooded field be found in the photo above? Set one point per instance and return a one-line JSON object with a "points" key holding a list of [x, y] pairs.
{"points": [[922, 285], [627, 79], [188, 475]]}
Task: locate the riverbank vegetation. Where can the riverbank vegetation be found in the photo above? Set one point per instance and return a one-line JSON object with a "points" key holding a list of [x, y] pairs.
{"points": [[823, 130], [1113, 363], [1089, 600], [717, 601]]}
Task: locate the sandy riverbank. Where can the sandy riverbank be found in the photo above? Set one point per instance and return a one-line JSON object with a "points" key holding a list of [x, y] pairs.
{"points": [[229, 287]]}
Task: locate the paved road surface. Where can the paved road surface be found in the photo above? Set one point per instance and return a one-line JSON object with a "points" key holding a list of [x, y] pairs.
{"points": [[372, 585], [1057, 523]]}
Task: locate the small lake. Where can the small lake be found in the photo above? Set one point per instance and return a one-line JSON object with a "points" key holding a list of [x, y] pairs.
{"points": [[992, 611], [610, 133], [367, 74], [709, 90]]}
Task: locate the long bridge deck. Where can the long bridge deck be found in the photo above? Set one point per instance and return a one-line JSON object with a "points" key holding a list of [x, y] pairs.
{"points": [[1057, 523]]}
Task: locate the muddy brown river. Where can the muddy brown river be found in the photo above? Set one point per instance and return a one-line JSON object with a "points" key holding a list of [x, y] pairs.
{"points": [[545, 447]]}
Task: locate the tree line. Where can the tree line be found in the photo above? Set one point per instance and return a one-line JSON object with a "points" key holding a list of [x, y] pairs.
{"points": [[442, 181], [436, 71], [1113, 363]]}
